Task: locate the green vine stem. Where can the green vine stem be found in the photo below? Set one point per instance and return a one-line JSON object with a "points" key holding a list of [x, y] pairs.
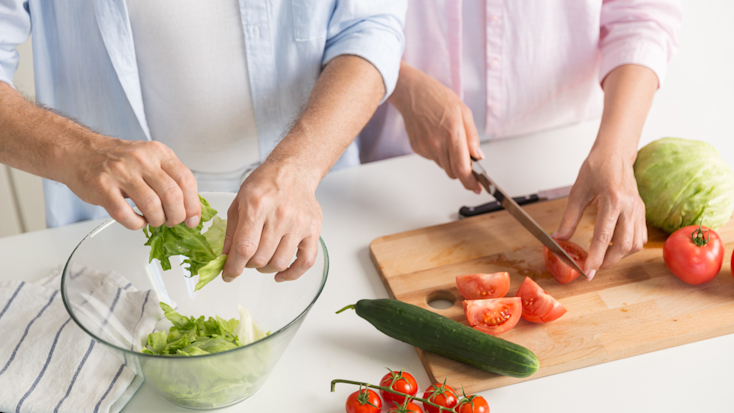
{"points": [[388, 389]]}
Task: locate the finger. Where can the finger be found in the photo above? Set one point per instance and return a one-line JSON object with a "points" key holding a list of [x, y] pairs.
{"points": [[283, 255], [572, 215], [461, 163], [269, 241], [170, 195], [472, 136], [147, 201], [244, 244], [187, 183], [606, 220], [622, 241], [122, 212], [232, 219], [305, 259], [640, 232], [446, 162]]}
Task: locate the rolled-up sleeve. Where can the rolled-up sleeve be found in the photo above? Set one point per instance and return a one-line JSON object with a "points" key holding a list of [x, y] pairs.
{"points": [[15, 28], [372, 30], [641, 32]]}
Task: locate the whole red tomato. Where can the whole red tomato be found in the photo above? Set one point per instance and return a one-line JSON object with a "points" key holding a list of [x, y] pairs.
{"points": [[694, 254], [442, 395], [364, 401], [473, 404], [398, 381], [408, 408]]}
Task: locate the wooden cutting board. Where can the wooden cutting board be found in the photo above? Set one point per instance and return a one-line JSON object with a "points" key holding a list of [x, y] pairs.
{"points": [[634, 308]]}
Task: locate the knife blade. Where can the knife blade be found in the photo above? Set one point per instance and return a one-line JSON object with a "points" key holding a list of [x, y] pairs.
{"points": [[546, 195], [521, 216]]}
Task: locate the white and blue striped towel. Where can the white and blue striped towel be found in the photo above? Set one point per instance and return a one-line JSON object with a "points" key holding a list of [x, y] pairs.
{"points": [[48, 364]]}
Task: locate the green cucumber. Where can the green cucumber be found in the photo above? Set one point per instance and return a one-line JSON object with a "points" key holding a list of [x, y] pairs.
{"points": [[435, 333]]}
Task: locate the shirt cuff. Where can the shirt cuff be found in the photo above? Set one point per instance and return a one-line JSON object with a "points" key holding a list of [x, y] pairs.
{"points": [[642, 53], [383, 53]]}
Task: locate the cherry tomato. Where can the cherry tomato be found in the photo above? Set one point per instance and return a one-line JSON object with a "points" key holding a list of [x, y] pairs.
{"points": [[442, 395], [694, 254], [481, 286], [473, 404], [364, 401], [562, 272], [537, 305], [398, 381], [494, 315], [409, 408]]}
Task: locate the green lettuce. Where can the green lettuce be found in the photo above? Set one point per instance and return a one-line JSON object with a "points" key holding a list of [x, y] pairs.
{"points": [[207, 382], [203, 252], [684, 182]]}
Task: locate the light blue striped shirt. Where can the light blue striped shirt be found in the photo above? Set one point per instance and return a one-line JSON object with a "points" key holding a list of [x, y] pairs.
{"points": [[86, 68]]}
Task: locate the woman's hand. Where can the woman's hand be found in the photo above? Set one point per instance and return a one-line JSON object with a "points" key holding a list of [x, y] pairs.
{"points": [[607, 181], [439, 125], [275, 214]]}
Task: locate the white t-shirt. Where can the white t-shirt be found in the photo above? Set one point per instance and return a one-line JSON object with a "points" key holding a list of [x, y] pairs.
{"points": [[194, 79]]}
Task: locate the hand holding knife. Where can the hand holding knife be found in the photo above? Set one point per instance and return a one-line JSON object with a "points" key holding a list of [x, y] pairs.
{"points": [[509, 204]]}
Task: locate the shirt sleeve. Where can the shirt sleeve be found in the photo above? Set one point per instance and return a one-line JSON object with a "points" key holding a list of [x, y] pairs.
{"points": [[372, 30], [15, 28], [639, 32]]}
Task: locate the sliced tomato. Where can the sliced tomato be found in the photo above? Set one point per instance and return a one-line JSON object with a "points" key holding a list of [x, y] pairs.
{"points": [[537, 305], [482, 286], [494, 315], [562, 272]]}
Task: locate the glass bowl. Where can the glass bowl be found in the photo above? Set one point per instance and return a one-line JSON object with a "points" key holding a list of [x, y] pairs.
{"points": [[113, 293]]}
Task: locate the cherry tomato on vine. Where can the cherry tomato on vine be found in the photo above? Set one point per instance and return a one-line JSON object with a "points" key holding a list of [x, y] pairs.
{"points": [[364, 401], [399, 381], [694, 254], [408, 408], [442, 395], [472, 404]]}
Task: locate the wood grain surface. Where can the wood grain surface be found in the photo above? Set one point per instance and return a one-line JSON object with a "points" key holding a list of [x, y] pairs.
{"points": [[634, 308]]}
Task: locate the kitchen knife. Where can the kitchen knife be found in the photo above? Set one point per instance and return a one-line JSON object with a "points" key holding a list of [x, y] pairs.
{"points": [[526, 220], [547, 195]]}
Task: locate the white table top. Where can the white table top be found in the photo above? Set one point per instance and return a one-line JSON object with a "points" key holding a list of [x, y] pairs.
{"points": [[386, 197]]}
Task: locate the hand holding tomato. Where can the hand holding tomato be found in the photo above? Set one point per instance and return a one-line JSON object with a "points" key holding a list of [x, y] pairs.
{"points": [[694, 254], [364, 401]]}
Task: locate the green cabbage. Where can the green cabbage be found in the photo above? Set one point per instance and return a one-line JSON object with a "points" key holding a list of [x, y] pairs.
{"points": [[684, 182], [203, 252]]}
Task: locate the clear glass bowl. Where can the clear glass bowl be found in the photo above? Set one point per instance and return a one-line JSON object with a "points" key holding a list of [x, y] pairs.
{"points": [[113, 293]]}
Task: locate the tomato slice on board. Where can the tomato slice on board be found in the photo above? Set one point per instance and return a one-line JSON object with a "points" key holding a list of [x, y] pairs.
{"points": [[494, 315], [537, 305], [562, 272], [482, 286]]}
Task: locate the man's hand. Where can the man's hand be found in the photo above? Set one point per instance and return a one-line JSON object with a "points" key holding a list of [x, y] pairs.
{"points": [[98, 169], [608, 182], [439, 125], [606, 178], [103, 171], [275, 214]]}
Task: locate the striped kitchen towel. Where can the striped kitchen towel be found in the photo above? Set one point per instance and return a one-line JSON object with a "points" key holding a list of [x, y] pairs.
{"points": [[48, 364]]}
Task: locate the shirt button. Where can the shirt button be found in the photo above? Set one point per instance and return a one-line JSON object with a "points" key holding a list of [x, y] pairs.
{"points": [[495, 63], [494, 18]]}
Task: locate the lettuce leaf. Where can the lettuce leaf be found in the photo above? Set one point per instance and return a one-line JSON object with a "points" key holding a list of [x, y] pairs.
{"points": [[203, 252]]}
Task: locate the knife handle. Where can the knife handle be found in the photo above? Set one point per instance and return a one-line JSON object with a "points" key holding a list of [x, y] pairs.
{"points": [[493, 206]]}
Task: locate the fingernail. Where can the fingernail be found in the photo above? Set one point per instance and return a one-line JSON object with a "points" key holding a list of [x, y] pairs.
{"points": [[227, 279], [477, 191], [591, 274], [193, 221], [481, 153], [279, 279]]}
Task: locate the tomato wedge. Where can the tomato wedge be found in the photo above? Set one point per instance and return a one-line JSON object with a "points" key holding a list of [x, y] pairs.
{"points": [[562, 272], [482, 286], [494, 315], [537, 305]]}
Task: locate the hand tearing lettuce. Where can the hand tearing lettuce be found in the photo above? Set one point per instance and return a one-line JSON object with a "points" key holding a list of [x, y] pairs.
{"points": [[203, 252]]}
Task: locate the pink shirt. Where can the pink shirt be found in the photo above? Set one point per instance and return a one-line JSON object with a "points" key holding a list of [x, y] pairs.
{"points": [[522, 66]]}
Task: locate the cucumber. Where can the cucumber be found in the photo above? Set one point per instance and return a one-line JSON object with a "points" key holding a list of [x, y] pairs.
{"points": [[435, 333]]}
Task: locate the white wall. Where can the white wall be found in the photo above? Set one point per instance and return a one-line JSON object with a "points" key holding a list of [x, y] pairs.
{"points": [[21, 195]]}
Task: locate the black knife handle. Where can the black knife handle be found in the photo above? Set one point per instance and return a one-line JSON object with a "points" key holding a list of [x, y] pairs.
{"points": [[493, 206]]}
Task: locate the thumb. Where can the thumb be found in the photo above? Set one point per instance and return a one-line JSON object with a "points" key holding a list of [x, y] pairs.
{"points": [[571, 217]]}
